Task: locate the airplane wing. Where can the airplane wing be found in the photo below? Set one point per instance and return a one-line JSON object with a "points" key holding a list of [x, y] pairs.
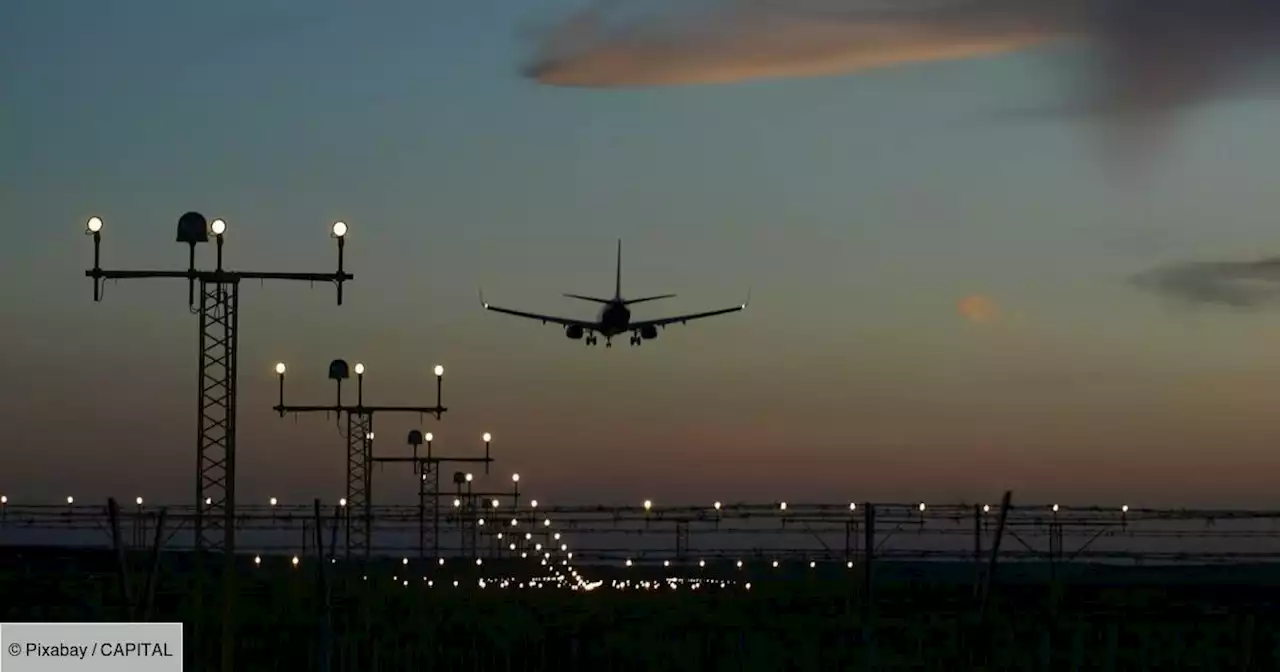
{"points": [[663, 322], [564, 321]]}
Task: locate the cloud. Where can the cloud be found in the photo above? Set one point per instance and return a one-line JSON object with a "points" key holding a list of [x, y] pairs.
{"points": [[1253, 284], [1148, 57]]}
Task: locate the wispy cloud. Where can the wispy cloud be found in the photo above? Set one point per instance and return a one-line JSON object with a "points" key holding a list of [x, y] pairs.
{"points": [[1148, 56], [1252, 285]]}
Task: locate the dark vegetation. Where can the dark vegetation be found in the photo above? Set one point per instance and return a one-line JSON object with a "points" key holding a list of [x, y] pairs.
{"points": [[925, 616]]}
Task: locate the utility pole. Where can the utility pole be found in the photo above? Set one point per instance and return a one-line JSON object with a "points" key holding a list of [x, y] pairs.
{"points": [[428, 469], [216, 400], [359, 436]]}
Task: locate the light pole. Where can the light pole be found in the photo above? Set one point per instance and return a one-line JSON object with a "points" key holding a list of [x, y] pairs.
{"points": [[359, 437]]}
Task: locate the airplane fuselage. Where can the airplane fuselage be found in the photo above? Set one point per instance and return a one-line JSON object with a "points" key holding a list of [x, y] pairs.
{"points": [[614, 318]]}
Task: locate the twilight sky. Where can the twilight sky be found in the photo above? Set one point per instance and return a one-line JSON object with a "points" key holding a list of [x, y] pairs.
{"points": [[859, 210]]}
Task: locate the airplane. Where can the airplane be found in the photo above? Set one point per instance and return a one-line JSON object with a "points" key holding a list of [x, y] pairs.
{"points": [[614, 318]]}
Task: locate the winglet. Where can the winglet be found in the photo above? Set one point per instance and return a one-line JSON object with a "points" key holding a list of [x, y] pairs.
{"points": [[748, 301], [483, 303]]}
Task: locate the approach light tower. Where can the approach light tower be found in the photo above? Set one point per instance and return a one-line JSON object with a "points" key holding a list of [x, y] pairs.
{"points": [[428, 470], [359, 436], [219, 335]]}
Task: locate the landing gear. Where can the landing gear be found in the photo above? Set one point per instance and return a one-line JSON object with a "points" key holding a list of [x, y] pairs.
{"points": [[636, 340], [591, 340], [608, 342]]}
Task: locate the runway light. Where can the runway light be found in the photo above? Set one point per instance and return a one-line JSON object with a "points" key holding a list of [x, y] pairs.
{"points": [[487, 437], [339, 229], [1055, 508], [295, 561], [784, 506], [922, 506], [849, 564], [1124, 509], [702, 563], [628, 562], [442, 562], [71, 500], [479, 561], [342, 502], [480, 521], [359, 369], [547, 523], [280, 368], [717, 505], [557, 536], [515, 478], [748, 586], [470, 477], [494, 503], [986, 508], [775, 563], [404, 561], [138, 501], [666, 563], [218, 227], [457, 503], [853, 506], [257, 560], [534, 504], [273, 501], [94, 225], [4, 499], [208, 501], [648, 505], [439, 370], [739, 564], [812, 564]]}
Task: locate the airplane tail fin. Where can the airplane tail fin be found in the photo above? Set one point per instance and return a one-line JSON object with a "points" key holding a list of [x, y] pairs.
{"points": [[647, 298], [587, 298], [617, 286]]}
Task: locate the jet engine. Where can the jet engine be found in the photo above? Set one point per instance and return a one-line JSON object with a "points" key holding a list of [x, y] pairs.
{"points": [[649, 333], [574, 332]]}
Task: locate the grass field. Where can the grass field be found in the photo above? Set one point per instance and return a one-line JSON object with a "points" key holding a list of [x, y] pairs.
{"points": [[924, 617]]}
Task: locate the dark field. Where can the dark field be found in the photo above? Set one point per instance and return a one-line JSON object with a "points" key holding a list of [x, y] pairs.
{"points": [[925, 616]]}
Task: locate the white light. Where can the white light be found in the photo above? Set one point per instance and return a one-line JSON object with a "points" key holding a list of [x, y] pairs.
{"points": [[439, 370], [339, 229], [564, 547], [849, 564], [138, 501], [280, 368], [628, 562], [812, 564], [666, 563], [257, 560], [71, 500], [702, 563], [739, 564], [775, 563], [557, 536], [369, 436], [853, 506], [208, 501], [647, 505], [480, 521], [494, 503], [748, 586], [429, 438], [487, 437], [986, 508], [342, 502], [547, 522], [457, 503], [1124, 509], [218, 227], [784, 506], [273, 501], [479, 561], [470, 478], [441, 562], [1055, 508], [359, 369], [94, 224], [405, 561], [514, 522], [515, 478], [295, 561], [534, 504], [922, 506], [4, 499]]}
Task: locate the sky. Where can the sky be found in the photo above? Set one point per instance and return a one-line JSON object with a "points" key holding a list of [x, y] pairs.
{"points": [[862, 212]]}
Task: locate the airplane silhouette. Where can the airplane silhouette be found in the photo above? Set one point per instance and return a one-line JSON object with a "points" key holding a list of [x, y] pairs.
{"points": [[614, 318]]}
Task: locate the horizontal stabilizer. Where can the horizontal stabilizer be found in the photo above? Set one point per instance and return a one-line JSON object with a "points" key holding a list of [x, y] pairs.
{"points": [[648, 298], [587, 298]]}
